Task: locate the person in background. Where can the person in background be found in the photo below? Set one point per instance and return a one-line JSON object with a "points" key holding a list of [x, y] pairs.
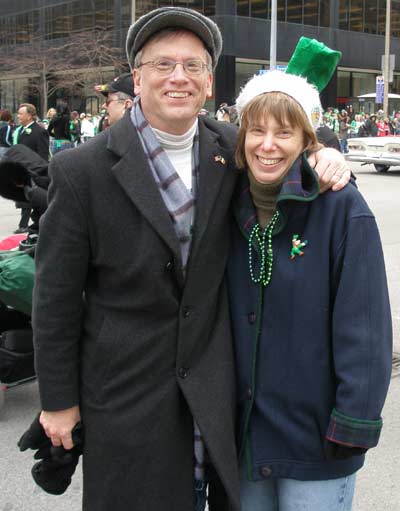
{"points": [[396, 124], [380, 124], [75, 127], [6, 131], [310, 311], [327, 137], [44, 123], [59, 130], [371, 127], [119, 97], [344, 127], [350, 113], [87, 127], [30, 134], [221, 111]]}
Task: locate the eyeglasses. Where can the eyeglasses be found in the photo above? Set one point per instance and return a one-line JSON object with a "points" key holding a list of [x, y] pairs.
{"points": [[111, 100], [192, 67]]}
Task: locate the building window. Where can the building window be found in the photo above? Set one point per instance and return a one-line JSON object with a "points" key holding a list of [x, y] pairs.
{"points": [[126, 13], [363, 83], [57, 22], [395, 18], [357, 16], [368, 16], [311, 12], [307, 12], [294, 11], [204, 6], [243, 8], [343, 83], [259, 9], [245, 71]]}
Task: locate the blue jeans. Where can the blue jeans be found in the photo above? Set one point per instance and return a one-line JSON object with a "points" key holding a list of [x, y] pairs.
{"points": [[292, 495], [343, 145]]}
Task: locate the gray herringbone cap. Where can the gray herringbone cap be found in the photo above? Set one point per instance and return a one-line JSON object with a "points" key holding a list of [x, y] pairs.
{"points": [[173, 17]]}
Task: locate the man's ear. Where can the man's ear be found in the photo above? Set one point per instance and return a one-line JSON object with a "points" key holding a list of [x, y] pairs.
{"points": [[136, 81]]}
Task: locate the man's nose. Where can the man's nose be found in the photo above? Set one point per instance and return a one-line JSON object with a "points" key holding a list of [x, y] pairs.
{"points": [[179, 72]]}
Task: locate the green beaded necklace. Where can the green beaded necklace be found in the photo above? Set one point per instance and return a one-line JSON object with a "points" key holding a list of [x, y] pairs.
{"points": [[264, 241]]}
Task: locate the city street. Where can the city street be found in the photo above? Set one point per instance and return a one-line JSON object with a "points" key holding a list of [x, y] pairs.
{"points": [[378, 486]]}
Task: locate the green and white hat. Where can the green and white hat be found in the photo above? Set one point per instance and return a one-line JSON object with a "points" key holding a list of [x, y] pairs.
{"points": [[309, 70]]}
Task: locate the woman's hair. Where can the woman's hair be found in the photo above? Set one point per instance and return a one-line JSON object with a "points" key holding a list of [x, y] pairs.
{"points": [[62, 109], [51, 112], [5, 115], [284, 109]]}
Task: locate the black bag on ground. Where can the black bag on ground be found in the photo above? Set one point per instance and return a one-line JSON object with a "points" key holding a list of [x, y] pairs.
{"points": [[16, 356]]}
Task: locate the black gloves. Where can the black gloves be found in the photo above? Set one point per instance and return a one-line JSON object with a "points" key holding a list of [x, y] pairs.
{"points": [[334, 451], [57, 466]]}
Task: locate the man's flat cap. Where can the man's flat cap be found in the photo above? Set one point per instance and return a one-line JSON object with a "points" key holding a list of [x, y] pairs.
{"points": [[173, 17]]}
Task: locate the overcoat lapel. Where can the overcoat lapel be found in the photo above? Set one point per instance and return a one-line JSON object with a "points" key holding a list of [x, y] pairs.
{"points": [[213, 166], [134, 175]]}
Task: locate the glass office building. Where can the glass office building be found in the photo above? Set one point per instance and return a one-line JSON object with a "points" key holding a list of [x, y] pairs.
{"points": [[356, 27]]}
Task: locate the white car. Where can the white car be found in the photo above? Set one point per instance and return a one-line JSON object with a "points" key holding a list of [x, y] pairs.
{"points": [[382, 152]]}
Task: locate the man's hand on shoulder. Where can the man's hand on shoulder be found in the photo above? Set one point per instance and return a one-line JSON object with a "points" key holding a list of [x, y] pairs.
{"points": [[58, 425], [331, 168]]}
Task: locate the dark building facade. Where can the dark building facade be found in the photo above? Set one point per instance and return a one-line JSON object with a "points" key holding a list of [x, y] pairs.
{"points": [[356, 27]]}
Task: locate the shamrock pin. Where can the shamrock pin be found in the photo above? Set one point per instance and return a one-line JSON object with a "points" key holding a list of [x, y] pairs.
{"points": [[28, 131]]}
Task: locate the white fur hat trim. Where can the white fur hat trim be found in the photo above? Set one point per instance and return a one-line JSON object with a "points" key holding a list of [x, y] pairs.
{"points": [[276, 81]]}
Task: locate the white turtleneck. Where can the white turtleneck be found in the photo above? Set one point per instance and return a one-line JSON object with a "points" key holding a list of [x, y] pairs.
{"points": [[179, 151]]}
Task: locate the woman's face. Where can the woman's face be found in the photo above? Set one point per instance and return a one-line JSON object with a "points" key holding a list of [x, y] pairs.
{"points": [[271, 149]]}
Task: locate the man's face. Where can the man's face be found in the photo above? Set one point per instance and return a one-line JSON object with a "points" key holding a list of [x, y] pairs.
{"points": [[24, 118], [115, 107], [171, 102]]}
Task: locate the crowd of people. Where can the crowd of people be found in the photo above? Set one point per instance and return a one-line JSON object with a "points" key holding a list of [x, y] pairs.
{"points": [[205, 306], [68, 129], [64, 128], [348, 124], [343, 123]]}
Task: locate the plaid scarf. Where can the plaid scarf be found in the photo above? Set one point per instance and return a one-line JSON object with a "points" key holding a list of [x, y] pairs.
{"points": [[180, 203]]}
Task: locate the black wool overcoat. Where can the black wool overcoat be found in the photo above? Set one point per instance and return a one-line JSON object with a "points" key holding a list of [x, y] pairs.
{"points": [[145, 352], [37, 139]]}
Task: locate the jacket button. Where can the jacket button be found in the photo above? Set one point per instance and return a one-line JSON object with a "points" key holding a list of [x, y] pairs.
{"points": [[252, 317], [265, 472], [186, 312], [248, 392], [183, 372], [169, 266]]}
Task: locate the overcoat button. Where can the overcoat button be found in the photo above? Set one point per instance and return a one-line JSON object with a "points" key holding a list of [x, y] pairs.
{"points": [[169, 266], [183, 372], [252, 317], [266, 472], [186, 312], [248, 392]]}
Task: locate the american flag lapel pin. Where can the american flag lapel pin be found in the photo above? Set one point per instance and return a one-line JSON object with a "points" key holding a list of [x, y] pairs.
{"points": [[220, 159]]}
